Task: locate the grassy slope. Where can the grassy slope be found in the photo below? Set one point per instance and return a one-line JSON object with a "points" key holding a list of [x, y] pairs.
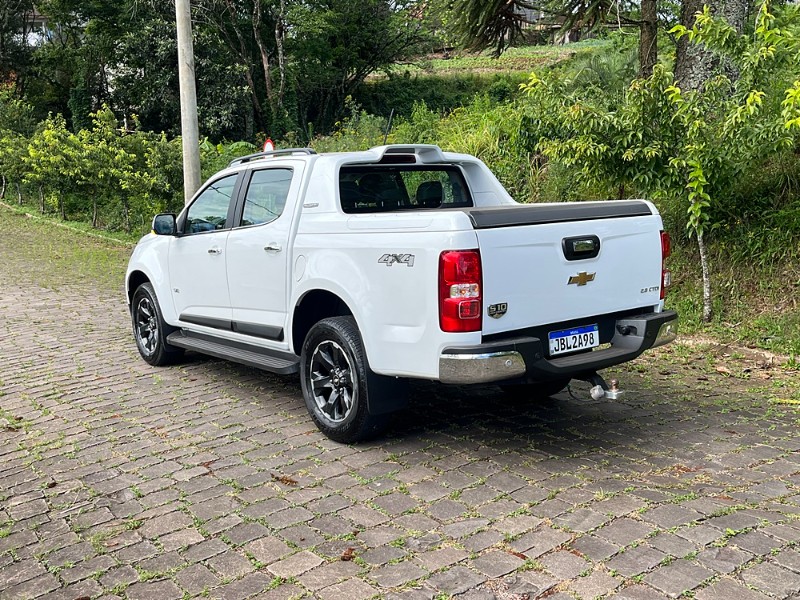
{"points": [[53, 255]]}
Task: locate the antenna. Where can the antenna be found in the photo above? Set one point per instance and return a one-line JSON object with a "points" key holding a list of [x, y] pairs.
{"points": [[388, 127]]}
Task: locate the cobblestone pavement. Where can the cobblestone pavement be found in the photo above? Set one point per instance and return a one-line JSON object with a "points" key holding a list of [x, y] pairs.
{"points": [[209, 479]]}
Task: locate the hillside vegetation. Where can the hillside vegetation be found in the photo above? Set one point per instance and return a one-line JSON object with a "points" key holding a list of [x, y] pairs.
{"points": [[723, 165]]}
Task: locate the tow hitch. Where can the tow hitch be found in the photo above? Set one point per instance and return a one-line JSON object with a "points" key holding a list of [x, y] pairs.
{"points": [[601, 389]]}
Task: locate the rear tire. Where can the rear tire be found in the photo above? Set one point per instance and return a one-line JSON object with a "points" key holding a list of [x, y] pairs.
{"points": [[335, 376], [535, 391], [150, 330]]}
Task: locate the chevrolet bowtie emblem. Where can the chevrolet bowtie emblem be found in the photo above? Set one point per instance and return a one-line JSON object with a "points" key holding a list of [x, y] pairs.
{"points": [[581, 278]]}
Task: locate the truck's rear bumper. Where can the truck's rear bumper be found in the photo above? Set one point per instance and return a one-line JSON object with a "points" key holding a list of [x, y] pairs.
{"points": [[526, 357]]}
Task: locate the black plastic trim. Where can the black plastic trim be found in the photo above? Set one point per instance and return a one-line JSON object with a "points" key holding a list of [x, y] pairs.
{"points": [[223, 324], [540, 214], [267, 332], [274, 361], [541, 368], [568, 246]]}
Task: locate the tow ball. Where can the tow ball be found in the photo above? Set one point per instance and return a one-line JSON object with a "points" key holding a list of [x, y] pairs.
{"points": [[600, 389]]}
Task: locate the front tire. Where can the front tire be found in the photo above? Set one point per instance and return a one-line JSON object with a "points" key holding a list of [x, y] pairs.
{"points": [[335, 376], [150, 330]]}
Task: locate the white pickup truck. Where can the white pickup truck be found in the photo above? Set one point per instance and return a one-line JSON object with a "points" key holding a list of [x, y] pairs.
{"points": [[361, 270]]}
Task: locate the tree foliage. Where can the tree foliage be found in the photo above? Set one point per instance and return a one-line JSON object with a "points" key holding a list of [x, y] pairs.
{"points": [[677, 146]]}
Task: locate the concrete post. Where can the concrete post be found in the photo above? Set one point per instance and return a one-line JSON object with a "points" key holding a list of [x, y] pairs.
{"points": [[189, 128]]}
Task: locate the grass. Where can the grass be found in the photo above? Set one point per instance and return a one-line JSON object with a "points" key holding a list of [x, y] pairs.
{"points": [[53, 256], [520, 59], [754, 306]]}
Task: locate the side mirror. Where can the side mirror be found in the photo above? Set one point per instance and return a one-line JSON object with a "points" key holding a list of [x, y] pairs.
{"points": [[165, 224]]}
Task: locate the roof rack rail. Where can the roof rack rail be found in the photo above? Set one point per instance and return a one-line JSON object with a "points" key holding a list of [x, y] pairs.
{"points": [[285, 152]]}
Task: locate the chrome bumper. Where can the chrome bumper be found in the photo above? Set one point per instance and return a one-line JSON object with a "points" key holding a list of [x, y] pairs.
{"points": [[526, 357], [480, 368]]}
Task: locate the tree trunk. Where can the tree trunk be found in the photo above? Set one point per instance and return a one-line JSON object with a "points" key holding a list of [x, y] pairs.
{"points": [[94, 212], [62, 211], [694, 65], [3, 191], [707, 308], [41, 200], [648, 38], [19, 194], [280, 33]]}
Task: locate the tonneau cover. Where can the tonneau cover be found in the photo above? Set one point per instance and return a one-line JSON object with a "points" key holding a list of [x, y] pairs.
{"points": [[535, 214]]}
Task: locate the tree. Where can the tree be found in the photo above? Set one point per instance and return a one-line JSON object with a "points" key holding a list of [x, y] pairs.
{"points": [[694, 63], [682, 147], [481, 24]]}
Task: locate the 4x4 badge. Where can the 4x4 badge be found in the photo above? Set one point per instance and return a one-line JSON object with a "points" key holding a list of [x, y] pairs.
{"points": [[581, 278], [498, 310]]}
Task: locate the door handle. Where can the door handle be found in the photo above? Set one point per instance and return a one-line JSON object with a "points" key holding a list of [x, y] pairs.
{"points": [[215, 250], [272, 247]]}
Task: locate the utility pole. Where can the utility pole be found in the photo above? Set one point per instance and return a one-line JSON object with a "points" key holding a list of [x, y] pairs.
{"points": [[189, 128]]}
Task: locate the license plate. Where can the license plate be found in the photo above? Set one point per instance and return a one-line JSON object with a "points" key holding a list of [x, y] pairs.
{"points": [[570, 340]]}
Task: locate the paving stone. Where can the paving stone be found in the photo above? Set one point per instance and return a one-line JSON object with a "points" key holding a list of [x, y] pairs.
{"points": [[594, 585], [671, 515], [267, 549], [352, 589], [624, 532], [196, 578], [563, 564], [634, 561], [396, 504], [398, 574], [433, 560], [154, 590], [482, 540], [582, 520], [723, 560], [87, 568], [540, 541], [246, 587], [246, 532], [230, 565], [295, 565], [120, 576], [755, 542], [788, 559], [87, 588], [677, 577], [728, 589], [456, 580], [204, 550], [382, 555], [31, 588], [639, 592], [497, 563], [180, 539], [594, 548], [328, 574], [772, 579]]}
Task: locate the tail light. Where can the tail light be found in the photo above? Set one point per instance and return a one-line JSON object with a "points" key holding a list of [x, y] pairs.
{"points": [[460, 300], [666, 250]]}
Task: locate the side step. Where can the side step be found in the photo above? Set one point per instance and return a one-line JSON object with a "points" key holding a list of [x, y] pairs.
{"points": [[282, 363]]}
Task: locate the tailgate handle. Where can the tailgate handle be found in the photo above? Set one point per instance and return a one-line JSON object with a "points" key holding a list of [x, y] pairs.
{"points": [[581, 247]]}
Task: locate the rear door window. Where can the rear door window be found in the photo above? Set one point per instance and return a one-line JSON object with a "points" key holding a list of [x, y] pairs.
{"points": [[393, 188]]}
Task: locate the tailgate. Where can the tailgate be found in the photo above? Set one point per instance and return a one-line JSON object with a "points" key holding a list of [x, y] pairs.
{"points": [[555, 263]]}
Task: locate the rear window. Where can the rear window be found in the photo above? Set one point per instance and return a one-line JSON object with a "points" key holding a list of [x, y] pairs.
{"points": [[404, 187]]}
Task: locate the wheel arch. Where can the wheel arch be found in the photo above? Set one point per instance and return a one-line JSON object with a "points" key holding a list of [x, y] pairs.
{"points": [[135, 279], [311, 308]]}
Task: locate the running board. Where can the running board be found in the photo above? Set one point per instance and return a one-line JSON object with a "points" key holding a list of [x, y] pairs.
{"points": [[252, 356]]}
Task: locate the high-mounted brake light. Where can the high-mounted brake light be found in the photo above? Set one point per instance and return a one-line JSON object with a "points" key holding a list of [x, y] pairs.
{"points": [[460, 300], [666, 275]]}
